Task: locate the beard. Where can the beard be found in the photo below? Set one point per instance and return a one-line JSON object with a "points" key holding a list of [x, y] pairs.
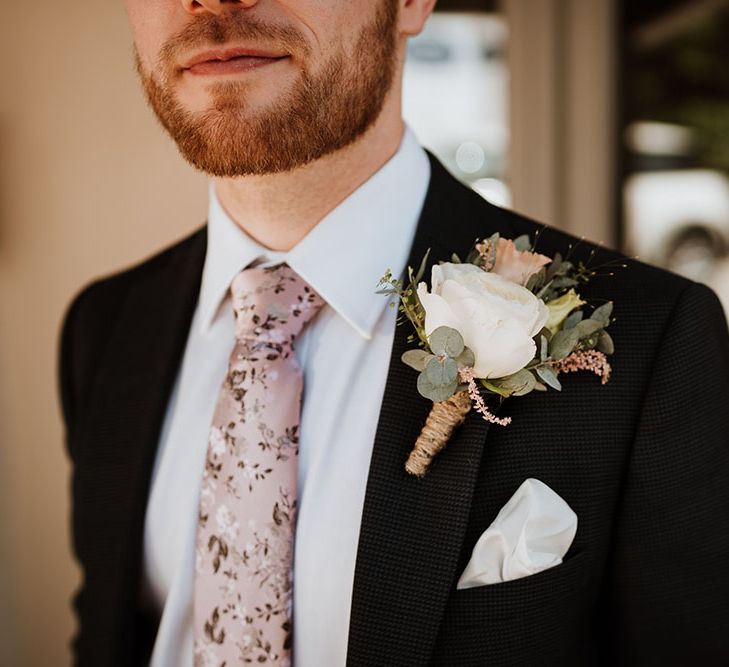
{"points": [[324, 111]]}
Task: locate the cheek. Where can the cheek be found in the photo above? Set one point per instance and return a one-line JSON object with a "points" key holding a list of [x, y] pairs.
{"points": [[330, 26], [152, 23]]}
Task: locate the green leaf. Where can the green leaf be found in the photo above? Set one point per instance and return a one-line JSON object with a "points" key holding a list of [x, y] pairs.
{"points": [[605, 343], [495, 389], [546, 333], [565, 267], [586, 328], [421, 269], [466, 358], [536, 280], [529, 386], [562, 343], [416, 359], [517, 384], [544, 348], [455, 259], [441, 372], [523, 243], [563, 281], [549, 376], [436, 394], [573, 319], [445, 340], [602, 314], [554, 266]]}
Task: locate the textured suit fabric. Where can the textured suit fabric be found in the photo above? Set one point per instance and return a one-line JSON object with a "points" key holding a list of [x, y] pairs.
{"points": [[643, 461]]}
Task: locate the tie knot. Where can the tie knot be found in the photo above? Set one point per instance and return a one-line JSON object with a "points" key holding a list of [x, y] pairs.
{"points": [[272, 304]]}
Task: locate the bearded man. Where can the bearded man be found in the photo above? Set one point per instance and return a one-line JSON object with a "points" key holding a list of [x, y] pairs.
{"points": [[225, 512]]}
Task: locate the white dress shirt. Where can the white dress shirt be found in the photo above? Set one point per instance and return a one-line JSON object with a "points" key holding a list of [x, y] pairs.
{"points": [[344, 353]]}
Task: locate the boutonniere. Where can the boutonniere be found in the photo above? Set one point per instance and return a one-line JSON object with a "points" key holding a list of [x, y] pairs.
{"points": [[504, 322]]}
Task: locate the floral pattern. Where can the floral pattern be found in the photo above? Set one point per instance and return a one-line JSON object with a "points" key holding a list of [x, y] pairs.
{"points": [[243, 594]]}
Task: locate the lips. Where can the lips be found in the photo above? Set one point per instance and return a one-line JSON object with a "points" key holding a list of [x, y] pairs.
{"points": [[230, 60]]}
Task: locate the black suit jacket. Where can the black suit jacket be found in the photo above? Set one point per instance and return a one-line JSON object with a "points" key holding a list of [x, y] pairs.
{"points": [[643, 461]]}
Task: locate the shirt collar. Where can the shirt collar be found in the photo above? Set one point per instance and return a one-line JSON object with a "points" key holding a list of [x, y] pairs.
{"points": [[345, 254]]}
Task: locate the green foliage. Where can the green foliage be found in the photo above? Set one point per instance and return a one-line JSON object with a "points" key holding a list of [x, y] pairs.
{"points": [[416, 359], [447, 341], [517, 384], [435, 392], [409, 305], [547, 374], [441, 356], [523, 243]]}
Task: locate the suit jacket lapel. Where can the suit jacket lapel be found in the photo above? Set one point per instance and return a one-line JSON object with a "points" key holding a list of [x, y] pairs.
{"points": [[136, 377], [412, 529]]}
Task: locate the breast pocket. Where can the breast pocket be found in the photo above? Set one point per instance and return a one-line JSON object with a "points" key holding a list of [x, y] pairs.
{"points": [[537, 619], [518, 596]]}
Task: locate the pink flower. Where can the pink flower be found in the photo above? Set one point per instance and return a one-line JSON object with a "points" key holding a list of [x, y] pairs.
{"points": [[517, 266]]}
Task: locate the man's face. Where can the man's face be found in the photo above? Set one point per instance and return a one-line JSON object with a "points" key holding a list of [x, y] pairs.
{"points": [[264, 86]]}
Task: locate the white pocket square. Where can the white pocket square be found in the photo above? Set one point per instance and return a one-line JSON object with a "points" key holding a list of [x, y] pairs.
{"points": [[531, 533]]}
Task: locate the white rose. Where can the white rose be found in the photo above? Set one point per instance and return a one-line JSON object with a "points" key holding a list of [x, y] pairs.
{"points": [[496, 317]]}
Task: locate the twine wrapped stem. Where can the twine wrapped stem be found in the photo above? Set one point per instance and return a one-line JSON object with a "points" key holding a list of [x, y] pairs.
{"points": [[443, 419]]}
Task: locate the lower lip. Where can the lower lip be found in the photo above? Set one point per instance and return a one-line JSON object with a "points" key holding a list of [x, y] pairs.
{"points": [[240, 64]]}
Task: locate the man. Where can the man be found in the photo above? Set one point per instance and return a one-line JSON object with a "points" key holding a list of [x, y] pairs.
{"points": [[293, 108]]}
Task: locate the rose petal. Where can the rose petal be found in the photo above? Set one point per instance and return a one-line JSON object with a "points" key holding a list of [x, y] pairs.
{"points": [[437, 311], [506, 351]]}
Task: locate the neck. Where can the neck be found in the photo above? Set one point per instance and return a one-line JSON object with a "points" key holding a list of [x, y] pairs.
{"points": [[278, 210]]}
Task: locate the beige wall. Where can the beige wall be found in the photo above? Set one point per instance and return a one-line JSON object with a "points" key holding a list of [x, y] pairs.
{"points": [[88, 184]]}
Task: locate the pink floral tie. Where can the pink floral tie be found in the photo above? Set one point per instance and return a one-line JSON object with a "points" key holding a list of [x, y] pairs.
{"points": [[243, 586]]}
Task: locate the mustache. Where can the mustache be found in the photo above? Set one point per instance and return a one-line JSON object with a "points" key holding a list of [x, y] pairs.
{"points": [[209, 31]]}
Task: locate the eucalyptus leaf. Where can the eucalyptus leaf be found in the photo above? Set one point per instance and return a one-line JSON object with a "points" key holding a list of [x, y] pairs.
{"points": [[530, 382], [549, 376], [447, 341], [562, 343], [436, 394], [416, 359], [564, 268], [523, 243], [466, 358], [455, 259], [441, 372], [573, 319], [543, 348], [588, 327], [540, 387], [517, 384], [495, 389], [536, 280], [602, 314], [560, 282], [554, 266], [605, 343]]}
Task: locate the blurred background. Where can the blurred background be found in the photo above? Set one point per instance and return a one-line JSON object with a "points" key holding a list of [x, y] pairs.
{"points": [[607, 118]]}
